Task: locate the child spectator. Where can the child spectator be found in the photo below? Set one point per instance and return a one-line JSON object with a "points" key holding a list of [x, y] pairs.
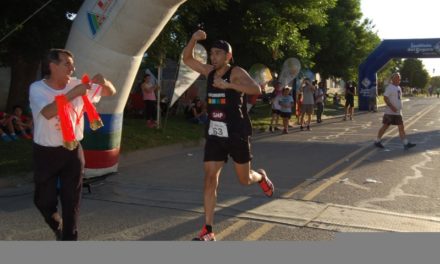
{"points": [[22, 123], [276, 108], [6, 125], [286, 103], [198, 112]]}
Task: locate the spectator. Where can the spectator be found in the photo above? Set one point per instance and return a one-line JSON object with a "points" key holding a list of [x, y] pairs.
{"points": [[276, 108], [286, 103], [22, 122], [349, 100], [6, 125], [251, 101], [198, 112], [149, 96], [319, 100], [372, 100], [336, 100], [308, 91]]}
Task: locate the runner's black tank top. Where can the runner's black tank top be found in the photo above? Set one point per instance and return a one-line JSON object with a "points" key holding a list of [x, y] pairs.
{"points": [[227, 106]]}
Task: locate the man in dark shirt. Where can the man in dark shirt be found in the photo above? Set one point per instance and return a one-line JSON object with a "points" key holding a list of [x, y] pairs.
{"points": [[228, 128]]}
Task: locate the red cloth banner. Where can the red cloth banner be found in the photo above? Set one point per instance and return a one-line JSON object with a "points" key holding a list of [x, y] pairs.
{"points": [[63, 106], [90, 109]]}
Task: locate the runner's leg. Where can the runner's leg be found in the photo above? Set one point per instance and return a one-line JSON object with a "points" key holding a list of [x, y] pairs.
{"points": [[212, 174]]}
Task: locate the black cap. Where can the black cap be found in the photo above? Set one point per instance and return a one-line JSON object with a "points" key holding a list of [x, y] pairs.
{"points": [[223, 45]]}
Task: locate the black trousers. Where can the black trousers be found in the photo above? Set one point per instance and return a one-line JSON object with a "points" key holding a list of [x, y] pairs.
{"points": [[51, 164], [319, 110], [150, 110]]}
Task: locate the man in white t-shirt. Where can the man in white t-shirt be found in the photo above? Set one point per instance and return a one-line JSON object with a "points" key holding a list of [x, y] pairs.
{"points": [[308, 104], [55, 165], [393, 112]]}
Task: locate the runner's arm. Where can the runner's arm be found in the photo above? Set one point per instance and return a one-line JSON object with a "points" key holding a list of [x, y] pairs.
{"points": [[241, 81], [188, 56], [389, 104]]}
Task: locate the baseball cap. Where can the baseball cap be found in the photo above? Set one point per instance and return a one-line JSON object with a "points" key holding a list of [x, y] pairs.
{"points": [[223, 45]]}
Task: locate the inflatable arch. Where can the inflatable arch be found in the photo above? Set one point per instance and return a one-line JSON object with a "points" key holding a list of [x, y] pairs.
{"points": [[111, 37], [387, 50]]}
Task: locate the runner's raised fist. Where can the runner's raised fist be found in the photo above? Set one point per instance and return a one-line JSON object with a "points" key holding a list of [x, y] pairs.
{"points": [[199, 35]]}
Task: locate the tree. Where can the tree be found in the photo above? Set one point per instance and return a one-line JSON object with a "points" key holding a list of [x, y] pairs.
{"points": [[416, 74], [384, 74], [343, 43], [173, 38], [261, 30], [24, 48], [435, 81]]}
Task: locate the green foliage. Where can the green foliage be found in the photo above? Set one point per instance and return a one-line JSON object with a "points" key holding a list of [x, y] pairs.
{"points": [[46, 29], [435, 81], [326, 35], [384, 74], [414, 73], [23, 49], [259, 31], [344, 42]]}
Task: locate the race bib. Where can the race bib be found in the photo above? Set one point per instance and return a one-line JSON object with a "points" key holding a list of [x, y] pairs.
{"points": [[218, 129]]}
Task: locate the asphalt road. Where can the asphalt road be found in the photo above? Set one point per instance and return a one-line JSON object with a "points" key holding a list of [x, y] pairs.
{"points": [[328, 181]]}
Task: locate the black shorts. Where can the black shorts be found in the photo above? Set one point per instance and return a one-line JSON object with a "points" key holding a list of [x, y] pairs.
{"points": [[392, 120], [217, 149], [276, 111], [349, 101], [286, 114]]}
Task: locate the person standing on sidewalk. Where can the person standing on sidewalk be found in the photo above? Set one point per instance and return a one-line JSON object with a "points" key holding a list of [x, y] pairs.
{"points": [[229, 128], [286, 103], [350, 91], [55, 161], [149, 96], [308, 104], [393, 112], [319, 101], [276, 108]]}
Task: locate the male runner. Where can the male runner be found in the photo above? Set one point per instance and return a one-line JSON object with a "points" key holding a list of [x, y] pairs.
{"points": [[393, 112], [229, 128]]}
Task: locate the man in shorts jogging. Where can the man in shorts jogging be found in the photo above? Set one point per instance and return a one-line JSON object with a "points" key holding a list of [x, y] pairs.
{"points": [[229, 128], [393, 112]]}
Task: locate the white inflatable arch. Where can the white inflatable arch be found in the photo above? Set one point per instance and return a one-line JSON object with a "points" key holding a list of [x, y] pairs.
{"points": [[111, 37]]}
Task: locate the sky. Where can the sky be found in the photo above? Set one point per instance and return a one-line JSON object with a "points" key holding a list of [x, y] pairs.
{"points": [[403, 19]]}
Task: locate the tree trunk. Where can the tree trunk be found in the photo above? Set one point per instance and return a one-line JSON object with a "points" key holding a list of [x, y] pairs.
{"points": [[23, 73]]}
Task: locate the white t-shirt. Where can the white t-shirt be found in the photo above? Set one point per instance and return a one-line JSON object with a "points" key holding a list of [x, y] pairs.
{"points": [[319, 94], [48, 132], [308, 94], [276, 102], [394, 94], [285, 102]]}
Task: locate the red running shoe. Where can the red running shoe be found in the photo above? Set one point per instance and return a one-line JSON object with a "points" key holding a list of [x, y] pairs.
{"points": [[204, 235], [265, 184]]}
